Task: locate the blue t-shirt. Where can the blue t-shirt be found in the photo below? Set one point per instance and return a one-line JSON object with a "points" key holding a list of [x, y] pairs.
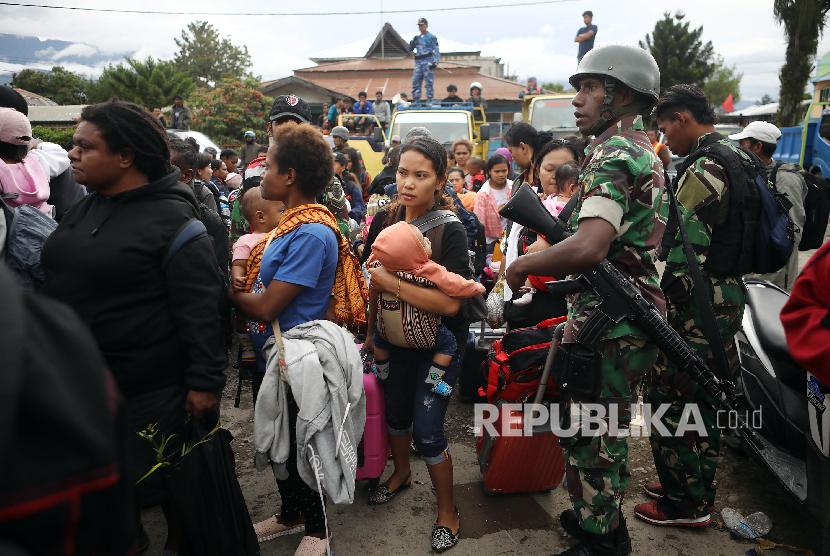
{"points": [[307, 257], [586, 46]]}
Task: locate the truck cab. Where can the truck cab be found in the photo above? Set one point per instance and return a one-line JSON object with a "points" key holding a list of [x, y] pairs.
{"points": [[814, 143], [447, 122], [553, 113]]}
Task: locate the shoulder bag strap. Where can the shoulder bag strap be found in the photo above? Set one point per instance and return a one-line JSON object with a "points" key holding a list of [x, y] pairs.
{"points": [[700, 289], [191, 230], [433, 219]]}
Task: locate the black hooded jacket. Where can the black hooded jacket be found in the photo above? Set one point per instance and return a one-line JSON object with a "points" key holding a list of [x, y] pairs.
{"points": [[157, 325]]}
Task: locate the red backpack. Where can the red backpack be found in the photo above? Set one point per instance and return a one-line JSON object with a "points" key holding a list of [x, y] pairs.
{"points": [[514, 364]]}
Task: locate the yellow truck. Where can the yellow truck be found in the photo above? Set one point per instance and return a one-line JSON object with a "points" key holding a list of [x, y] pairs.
{"points": [[447, 123], [366, 137], [553, 113]]}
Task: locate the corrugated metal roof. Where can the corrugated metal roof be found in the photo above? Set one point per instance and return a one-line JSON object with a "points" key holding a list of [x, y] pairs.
{"points": [[69, 113], [393, 82], [374, 64]]}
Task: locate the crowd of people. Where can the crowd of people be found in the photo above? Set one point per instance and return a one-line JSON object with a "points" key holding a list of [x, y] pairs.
{"points": [[166, 258]]}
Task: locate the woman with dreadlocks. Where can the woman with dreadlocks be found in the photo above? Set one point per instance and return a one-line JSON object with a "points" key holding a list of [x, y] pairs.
{"points": [[151, 306]]}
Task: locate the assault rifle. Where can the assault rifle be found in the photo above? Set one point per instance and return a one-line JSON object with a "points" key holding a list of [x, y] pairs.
{"points": [[622, 299]]}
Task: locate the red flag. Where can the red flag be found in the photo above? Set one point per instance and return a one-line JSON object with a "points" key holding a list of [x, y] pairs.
{"points": [[728, 104]]}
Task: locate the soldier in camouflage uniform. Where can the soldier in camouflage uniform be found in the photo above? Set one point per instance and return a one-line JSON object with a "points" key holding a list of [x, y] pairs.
{"points": [[686, 466], [619, 216]]}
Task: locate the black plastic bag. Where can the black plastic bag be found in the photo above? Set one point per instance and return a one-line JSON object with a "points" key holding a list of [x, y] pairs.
{"points": [[207, 493]]}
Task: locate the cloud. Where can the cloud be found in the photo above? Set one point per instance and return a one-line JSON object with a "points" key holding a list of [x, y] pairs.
{"points": [[534, 40]]}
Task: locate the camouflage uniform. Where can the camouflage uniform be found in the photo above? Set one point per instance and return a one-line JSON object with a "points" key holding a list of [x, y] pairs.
{"points": [[686, 466], [622, 183]]}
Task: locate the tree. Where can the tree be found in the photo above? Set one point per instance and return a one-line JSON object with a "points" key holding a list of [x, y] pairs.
{"points": [[722, 82], [766, 99], [230, 108], [553, 87], [149, 83], [803, 22], [60, 84], [680, 54], [207, 57]]}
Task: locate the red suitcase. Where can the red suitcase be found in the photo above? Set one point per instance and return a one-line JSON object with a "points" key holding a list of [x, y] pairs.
{"points": [[522, 464]]}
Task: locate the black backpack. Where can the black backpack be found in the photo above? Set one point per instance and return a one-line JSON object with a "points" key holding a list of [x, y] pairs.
{"points": [[27, 230], [758, 235], [209, 224], [816, 208]]}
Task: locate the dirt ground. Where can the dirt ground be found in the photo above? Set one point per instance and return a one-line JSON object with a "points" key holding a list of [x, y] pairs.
{"points": [[502, 525], [508, 524]]}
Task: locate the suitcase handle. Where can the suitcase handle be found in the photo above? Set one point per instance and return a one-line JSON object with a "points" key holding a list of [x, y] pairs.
{"points": [[554, 344]]}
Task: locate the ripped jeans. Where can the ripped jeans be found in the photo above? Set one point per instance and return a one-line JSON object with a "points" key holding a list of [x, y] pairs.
{"points": [[412, 406]]}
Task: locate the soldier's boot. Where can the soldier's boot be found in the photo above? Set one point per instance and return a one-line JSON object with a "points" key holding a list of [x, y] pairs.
{"points": [[622, 540], [594, 545]]}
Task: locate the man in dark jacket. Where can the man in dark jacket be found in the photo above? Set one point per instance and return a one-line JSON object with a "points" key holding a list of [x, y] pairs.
{"points": [[181, 114], [149, 298]]}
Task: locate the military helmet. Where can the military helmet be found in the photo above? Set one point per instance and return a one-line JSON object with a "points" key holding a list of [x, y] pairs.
{"points": [[632, 66]]}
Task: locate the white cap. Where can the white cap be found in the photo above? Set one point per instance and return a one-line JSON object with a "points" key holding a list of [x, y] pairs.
{"points": [[764, 132]]}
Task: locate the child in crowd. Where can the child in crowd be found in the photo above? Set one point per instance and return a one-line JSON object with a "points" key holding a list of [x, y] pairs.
{"points": [[25, 172], [566, 182], [403, 249], [475, 173], [262, 216]]}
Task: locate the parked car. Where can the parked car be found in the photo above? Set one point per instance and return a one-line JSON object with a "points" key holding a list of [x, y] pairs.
{"points": [[201, 139]]}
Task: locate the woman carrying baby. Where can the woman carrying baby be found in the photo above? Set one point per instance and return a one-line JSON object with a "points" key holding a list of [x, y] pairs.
{"points": [[415, 409]]}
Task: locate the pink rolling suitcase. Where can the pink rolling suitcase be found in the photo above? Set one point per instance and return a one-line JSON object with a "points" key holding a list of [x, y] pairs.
{"points": [[374, 447]]}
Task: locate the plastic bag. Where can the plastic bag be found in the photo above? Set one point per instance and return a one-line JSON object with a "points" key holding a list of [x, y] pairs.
{"points": [[207, 493]]}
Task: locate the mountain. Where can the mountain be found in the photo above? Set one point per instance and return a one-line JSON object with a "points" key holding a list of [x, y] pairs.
{"points": [[20, 52]]}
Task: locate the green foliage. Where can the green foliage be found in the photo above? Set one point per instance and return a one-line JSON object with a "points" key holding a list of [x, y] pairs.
{"points": [[680, 53], [149, 83], [803, 22], [60, 84], [164, 457], [226, 111], [207, 57], [721, 82], [553, 87], [766, 99], [60, 135]]}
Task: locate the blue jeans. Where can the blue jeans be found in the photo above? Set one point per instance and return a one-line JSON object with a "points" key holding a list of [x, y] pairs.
{"points": [[422, 72], [410, 403]]}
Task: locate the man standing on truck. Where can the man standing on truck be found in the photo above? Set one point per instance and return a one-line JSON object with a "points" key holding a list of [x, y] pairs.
{"points": [[585, 36], [425, 46], [761, 139]]}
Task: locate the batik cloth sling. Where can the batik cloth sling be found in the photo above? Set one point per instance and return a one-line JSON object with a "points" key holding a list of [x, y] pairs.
{"points": [[349, 290], [405, 325]]}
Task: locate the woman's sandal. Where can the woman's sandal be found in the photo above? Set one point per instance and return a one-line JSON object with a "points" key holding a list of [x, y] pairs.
{"points": [[382, 494], [272, 528], [443, 538]]}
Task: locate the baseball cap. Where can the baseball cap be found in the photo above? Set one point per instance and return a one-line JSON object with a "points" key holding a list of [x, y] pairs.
{"points": [[15, 128], [423, 20], [249, 133], [764, 132], [290, 106]]}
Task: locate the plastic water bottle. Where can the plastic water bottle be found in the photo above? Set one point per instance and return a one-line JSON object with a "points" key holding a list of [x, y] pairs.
{"points": [[442, 389], [750, 527]]}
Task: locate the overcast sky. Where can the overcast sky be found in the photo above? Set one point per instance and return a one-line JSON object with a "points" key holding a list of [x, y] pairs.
{"points": [[534, 40]]}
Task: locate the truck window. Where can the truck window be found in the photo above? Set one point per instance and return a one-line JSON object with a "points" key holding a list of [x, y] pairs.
{"points": [[553, 114], [824, 127], [446, 127]]}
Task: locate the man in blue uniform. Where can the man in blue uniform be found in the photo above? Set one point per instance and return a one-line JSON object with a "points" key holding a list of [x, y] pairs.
{"points": [[425, 46]]}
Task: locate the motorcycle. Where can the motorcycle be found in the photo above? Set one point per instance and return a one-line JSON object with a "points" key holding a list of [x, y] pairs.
{"points": [[794, 434]]}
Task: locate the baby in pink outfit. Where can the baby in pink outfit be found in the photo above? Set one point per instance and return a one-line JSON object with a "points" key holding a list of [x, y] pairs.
{"points": [[403, 250]]}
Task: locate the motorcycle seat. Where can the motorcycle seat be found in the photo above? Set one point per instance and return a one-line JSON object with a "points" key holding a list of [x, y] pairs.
{"points": [[765, 302]]}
